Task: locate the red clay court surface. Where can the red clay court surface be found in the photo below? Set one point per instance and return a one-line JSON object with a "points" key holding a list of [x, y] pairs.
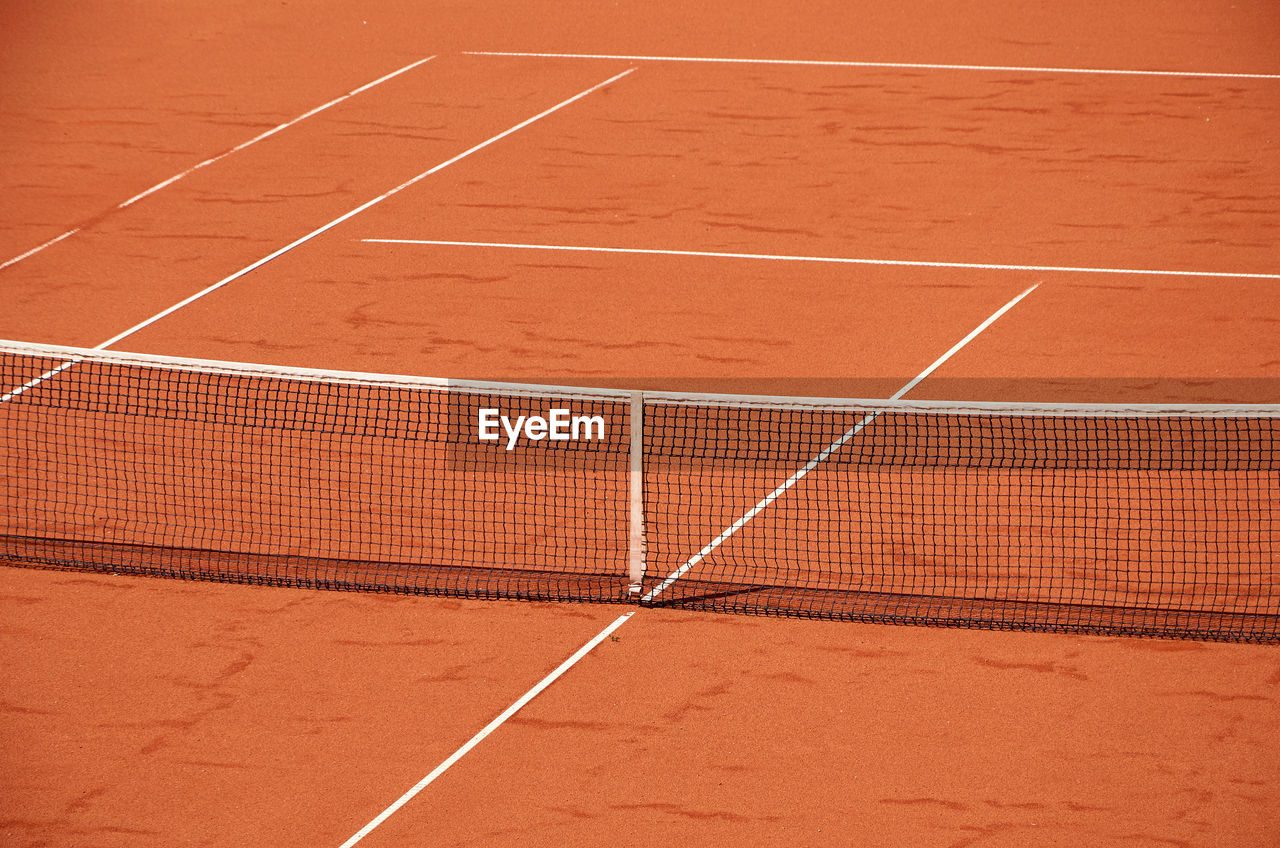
{"points": [[153, 712]]}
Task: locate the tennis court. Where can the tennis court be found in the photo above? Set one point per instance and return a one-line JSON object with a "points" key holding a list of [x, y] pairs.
{"points": [[886, 317]]}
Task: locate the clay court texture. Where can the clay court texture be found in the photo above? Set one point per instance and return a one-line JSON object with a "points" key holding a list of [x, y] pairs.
{"points": [[676, 220]]}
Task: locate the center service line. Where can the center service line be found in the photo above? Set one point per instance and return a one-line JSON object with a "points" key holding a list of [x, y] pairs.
{"points": [[488, 728], [622, 619], [826, 452]]}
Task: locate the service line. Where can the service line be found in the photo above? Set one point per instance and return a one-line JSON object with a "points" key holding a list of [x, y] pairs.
{"points": [[211, 160], [1027, 69], [839, 260], [361, 208], [317, 231]]}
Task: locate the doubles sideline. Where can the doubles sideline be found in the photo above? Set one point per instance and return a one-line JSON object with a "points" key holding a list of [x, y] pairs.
{"points": [[212, 159], [316, 232]]}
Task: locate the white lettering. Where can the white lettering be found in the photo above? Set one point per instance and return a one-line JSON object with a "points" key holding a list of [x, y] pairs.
{"points": [[535, 428], [559, 425], [589, 423], [488, 425], [513, 433]]}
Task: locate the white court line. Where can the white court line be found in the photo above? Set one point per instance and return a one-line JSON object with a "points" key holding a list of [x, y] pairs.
{"points": [[840, 260], [221, 156], [904, 65], [822, 456], [274, 130], [602, 635], [362, 207], [488, 728], [35, 381], [335, 222], [33, 251]]}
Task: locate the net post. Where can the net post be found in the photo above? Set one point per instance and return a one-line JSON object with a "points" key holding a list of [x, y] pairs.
{"points": [[635, 542]]}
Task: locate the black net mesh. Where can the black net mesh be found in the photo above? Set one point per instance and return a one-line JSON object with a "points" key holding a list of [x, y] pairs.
{"points": [[1152, 522]]}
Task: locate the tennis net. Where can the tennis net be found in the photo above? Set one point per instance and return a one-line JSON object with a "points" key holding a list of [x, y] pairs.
{"points": [[1138, 520]]}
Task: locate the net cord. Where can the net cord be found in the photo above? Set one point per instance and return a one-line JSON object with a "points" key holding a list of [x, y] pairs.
{"points": [[72, 355]]}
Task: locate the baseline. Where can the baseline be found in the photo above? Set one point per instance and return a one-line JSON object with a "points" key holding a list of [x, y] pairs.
{"points": [[1030, 69]]}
